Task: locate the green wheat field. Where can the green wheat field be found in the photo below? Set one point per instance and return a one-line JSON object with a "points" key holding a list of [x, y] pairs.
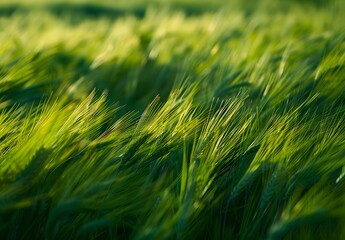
{"points": [[172, 119]]}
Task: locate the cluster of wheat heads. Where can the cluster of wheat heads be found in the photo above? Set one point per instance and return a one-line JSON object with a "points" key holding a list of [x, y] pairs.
{"points": [[172, 124]]}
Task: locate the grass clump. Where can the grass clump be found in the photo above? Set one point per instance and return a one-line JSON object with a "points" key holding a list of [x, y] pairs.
{"points": [[172, 121]]}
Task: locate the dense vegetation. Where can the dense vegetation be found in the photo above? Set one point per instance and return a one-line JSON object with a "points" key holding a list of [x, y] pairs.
{"points": [[180, 120]]}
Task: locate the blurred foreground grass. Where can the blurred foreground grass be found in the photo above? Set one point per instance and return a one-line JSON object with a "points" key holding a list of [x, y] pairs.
{"points": [[172, 120]]}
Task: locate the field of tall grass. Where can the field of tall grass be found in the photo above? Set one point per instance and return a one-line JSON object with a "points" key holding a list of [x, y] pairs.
{"points": [[172, 120]]}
